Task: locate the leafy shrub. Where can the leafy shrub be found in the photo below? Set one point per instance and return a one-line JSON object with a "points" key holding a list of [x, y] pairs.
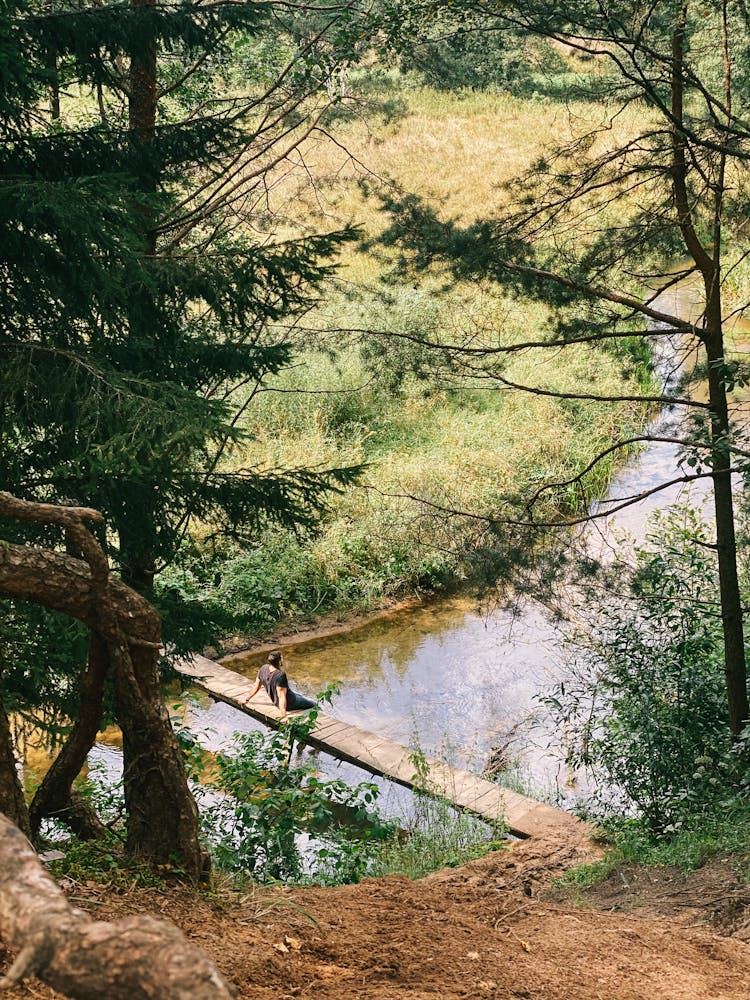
{"points": [[644, 703], [248, 589], [267, 799]]}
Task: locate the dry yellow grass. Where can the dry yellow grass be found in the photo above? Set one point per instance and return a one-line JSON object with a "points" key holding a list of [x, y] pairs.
{"points": [[455, 150]]}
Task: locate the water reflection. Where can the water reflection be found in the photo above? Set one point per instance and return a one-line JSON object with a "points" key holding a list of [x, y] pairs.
{"points": [[447, 679], [455, 681]]}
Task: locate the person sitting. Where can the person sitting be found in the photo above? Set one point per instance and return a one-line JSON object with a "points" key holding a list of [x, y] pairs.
{"points": [[274, 680]]}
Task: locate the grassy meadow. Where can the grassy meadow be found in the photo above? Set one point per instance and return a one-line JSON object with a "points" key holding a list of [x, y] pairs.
{"points": [[430, 433]]}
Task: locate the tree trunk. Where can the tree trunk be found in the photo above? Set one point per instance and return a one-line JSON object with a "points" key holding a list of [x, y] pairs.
{"points": [[12, 800], [137, 958], [709, 265], [735, 667], [155, 821], [53, 798], [53, 87], [162, 817]]}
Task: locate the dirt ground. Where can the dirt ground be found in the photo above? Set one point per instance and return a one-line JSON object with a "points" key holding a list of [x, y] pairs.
{"points": [[493, 930]]}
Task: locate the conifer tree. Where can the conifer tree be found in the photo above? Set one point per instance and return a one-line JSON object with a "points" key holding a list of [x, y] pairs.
{"points": [[152, 296], [139, 295]]}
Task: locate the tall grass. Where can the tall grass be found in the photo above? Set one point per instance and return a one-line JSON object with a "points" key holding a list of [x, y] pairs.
{"points": [[429, 434]]}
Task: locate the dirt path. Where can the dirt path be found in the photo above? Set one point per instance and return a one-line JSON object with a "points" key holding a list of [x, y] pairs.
{"points": [[488, 931]]}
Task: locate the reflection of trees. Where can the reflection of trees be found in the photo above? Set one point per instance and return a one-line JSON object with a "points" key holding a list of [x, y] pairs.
{"points": [[360, 657]]}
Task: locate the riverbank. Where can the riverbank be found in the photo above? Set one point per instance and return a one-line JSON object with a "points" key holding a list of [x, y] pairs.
{"points": [[447, 451], [241, 647]]}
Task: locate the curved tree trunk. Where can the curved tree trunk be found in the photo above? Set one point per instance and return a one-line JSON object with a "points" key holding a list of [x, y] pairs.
{"points": [[53, 798], [137, 958], [162, 817], [160, 824]]}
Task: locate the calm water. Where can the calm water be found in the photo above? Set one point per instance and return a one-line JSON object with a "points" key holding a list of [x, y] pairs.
{"points": [[453, 678]]}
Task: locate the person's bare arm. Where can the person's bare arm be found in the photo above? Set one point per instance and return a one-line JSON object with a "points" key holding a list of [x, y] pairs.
{"points": [[281, 692], [252, 692]]}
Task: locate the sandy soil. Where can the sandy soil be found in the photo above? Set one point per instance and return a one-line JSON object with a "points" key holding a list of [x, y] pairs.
{"points": [[493, 930]]}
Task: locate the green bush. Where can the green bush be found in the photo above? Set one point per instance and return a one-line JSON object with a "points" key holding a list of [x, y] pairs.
{"points": [[643, 704], [266, 799]]}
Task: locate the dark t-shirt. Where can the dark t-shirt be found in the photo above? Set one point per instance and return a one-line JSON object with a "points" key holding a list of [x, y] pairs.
{"points": [[272, 679]]}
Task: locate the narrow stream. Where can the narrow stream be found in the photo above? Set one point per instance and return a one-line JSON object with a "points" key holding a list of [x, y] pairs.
{"points": [[454, 679], [451, 678]]}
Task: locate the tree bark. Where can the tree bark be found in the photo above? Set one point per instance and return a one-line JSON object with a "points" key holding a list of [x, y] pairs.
{"points": [[135, 533], [162, 817], [137, 958], [12, 800], [735, 666], [53, 87], [54, 798]]}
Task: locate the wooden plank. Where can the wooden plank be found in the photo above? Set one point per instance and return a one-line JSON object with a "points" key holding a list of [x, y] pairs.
{"points": [[523, 816], [336, 734], [326, 726]]}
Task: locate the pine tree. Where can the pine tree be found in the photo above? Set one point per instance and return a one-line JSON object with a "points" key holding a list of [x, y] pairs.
{"points": [[138, 299]]}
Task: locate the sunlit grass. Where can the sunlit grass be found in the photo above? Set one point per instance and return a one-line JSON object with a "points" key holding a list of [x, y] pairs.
{"points": [[425, 429]]}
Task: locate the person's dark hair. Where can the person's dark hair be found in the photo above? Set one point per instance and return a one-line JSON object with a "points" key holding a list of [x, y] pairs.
{"points": [[274, 659]]}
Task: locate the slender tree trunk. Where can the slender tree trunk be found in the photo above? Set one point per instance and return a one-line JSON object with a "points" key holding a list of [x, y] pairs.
{"points": [[53, 87], [135, 523], [12, 800], [735, 667], [709, 265], [155, 822], [54, 797], [136, 958]]}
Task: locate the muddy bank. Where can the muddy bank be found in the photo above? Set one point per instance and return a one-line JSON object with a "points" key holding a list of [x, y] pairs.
{"points": [[487, 931], [237, 648]]}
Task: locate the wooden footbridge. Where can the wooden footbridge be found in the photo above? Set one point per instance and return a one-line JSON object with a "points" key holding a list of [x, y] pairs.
{"points": [[523, 816]]}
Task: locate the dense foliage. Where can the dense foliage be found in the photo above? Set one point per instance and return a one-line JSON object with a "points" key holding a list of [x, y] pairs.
{"points": [[642, 703], [450, 49], [267, 799], [137, 299]]}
